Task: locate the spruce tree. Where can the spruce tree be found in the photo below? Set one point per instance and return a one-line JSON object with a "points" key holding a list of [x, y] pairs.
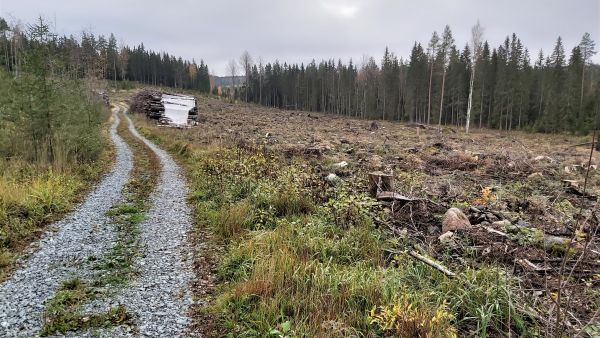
{"points": [[432, 49], [446, 45]]}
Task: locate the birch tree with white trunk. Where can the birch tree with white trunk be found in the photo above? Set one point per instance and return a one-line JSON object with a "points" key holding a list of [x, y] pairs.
{"points": [[476, 42], [246, 63], [232, 68]]}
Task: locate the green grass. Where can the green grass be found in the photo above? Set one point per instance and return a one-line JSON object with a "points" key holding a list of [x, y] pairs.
{"points": [[30, 198], [63, 311], [304, 259]]}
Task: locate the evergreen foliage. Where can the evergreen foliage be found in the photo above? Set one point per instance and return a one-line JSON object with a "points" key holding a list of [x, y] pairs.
{"points": [[44, 119], [97, 57], [555, 93]]}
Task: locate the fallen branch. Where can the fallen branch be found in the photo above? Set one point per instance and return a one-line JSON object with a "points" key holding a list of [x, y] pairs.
{"points": [[584, 144], [497, 232], [529, 266], [393, 196], [390, 196], [425, 260], [416, 125], [499, 215], [584, 194], [432, 263]]}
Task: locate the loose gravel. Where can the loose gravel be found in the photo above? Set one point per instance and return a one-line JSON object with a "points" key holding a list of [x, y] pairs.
{"points": [[62, 252], [160, 298]]}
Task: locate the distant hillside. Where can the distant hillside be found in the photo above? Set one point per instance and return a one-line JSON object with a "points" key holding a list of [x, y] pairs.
{"points": [[227, 81]]}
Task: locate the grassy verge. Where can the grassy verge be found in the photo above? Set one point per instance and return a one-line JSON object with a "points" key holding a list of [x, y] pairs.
{"points": [[64, 311], [36, 190], [32, 197], [303, 257]]}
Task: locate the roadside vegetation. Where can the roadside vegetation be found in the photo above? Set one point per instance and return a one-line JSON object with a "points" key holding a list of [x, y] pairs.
{"points": [[489, 233], [64, 312], [304, 257], [53, 126], [53, 147]]}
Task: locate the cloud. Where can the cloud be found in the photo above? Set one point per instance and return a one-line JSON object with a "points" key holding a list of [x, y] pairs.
{"points": [[341, 9], [298, 31]]}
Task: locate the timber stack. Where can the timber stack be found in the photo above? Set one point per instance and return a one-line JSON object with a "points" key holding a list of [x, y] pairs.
{"points": [[169, 109], [148, 102]]}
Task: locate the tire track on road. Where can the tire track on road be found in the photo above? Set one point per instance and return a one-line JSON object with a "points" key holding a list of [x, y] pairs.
{"points": [[60, 254], [159, 299]]}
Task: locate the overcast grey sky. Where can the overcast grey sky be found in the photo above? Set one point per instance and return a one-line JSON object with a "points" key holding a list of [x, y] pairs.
{"points": [[298, 31]]}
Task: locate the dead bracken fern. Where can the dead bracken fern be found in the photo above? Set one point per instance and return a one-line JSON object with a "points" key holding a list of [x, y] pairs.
{"points": [[407, 319], [486, 197]]}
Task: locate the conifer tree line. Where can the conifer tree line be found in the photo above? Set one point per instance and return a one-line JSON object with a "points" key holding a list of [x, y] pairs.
{"points": [[549, 92], [45, 119], [100, 57]]}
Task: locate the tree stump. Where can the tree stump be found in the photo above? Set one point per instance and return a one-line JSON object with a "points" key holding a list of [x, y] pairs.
{"points": [[380, 181]]}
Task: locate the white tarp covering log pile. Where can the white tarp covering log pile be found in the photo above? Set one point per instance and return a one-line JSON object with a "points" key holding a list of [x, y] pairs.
{"points": [[179, 109], [169, 109]]}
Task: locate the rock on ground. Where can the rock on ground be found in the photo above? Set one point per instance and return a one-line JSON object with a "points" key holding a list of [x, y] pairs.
{"points": [[454, 219]]}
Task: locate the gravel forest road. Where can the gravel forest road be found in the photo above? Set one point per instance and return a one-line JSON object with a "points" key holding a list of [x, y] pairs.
{"points": [[62, 251], [158, 298]]}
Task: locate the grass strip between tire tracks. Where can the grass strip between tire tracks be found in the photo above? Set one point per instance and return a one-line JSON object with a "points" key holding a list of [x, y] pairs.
{"points": [[64, 311]]}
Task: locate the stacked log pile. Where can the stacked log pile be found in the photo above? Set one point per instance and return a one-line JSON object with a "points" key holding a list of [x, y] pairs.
{"points": [[104, 98], [152, 104], [148, 102], [194, 114]]}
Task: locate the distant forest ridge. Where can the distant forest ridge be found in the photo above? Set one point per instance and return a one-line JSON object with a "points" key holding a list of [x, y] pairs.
{"points": [[97, 56], [229, 81], [501, 87], [554, 92]]}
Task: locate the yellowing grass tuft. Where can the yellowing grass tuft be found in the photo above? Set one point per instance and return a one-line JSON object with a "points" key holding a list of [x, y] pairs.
{"points": [[32, 197], [233, 220]]}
